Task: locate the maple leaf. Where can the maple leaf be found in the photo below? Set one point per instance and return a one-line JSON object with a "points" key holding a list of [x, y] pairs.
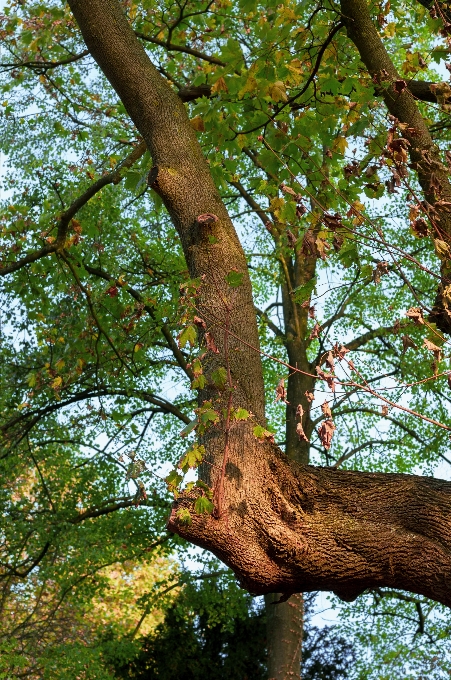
{"points": [[332, 222], [112, 291], [326, 431], [281, 392], [300, 210], [419, 227], [340, 351], [211, 345], [328, 377], [406, 343], [200, 323], [330, 360], [434, 349], [310, 397], [326, 410], [292, 240], [299, 411], [381, 270], [399, 86], [315, 332], [337, 242], [301, 434], [416, 314], [308, 244]]}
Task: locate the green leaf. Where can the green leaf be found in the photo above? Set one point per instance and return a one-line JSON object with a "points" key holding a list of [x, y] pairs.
{"points": [[349, 254], [184, 516], [262, 434], [303, 293], [234, 278], [203, 506], [188, 335], [241, 414], [173, 480], [206, 489], [219, 377], [132, 179], [192, 457]]}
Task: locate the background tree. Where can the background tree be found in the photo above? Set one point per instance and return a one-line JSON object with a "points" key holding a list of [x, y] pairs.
{"points": [[92, 265]]}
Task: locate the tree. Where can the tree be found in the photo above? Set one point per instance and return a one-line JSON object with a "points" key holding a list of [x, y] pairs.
{"points": [[282, 526]]}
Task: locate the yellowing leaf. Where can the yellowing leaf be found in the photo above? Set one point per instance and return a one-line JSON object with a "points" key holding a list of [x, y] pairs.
{"points": [[198, 124], [277, 92], [340, 144], [220, 86], [57, 382]]}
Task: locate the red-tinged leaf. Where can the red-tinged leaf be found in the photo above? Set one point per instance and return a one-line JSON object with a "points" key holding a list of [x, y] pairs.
{"points": [[330, 360], [315, 332], [299, 411], [211, 345], [416, 314], [301, 434], [112, 291], [340, 351], [326, 410], [281, 392], [326, 431], [351, 365], [311, 312], [310, 396], [262, 435], [328, 377], [433, 348], [449, 380], [200, 323], [420, 227], [406, 343]]}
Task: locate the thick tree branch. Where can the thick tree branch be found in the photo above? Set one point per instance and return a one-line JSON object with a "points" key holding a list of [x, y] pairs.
{"points": [[317, 528]]}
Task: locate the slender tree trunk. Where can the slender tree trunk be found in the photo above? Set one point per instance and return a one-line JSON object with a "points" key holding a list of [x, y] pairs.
{"points": [[284, 626]]}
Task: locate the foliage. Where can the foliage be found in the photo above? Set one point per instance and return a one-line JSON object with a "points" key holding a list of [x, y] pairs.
{"points": [[100, 352]]}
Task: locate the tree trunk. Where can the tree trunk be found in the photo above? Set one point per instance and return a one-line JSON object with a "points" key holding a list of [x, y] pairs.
{"points": [[284, 625], [283, 527]]}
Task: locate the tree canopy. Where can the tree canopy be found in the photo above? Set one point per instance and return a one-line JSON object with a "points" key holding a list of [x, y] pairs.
{"points": [[225, 259]]}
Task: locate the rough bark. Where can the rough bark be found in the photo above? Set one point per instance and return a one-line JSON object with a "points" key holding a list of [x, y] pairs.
{"points": [[433, 175], [284, 626], [285, 527]]}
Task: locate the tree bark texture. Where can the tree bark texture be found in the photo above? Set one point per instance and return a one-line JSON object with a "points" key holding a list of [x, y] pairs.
{"points": [[285, 527], [284, 626]]}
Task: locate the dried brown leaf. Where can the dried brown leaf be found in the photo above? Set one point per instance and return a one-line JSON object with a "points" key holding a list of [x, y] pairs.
{"points": [[281, 392], [326, 431], [416, 314], [326, 410], [211, 345], [301, 434], [406, 343]]}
